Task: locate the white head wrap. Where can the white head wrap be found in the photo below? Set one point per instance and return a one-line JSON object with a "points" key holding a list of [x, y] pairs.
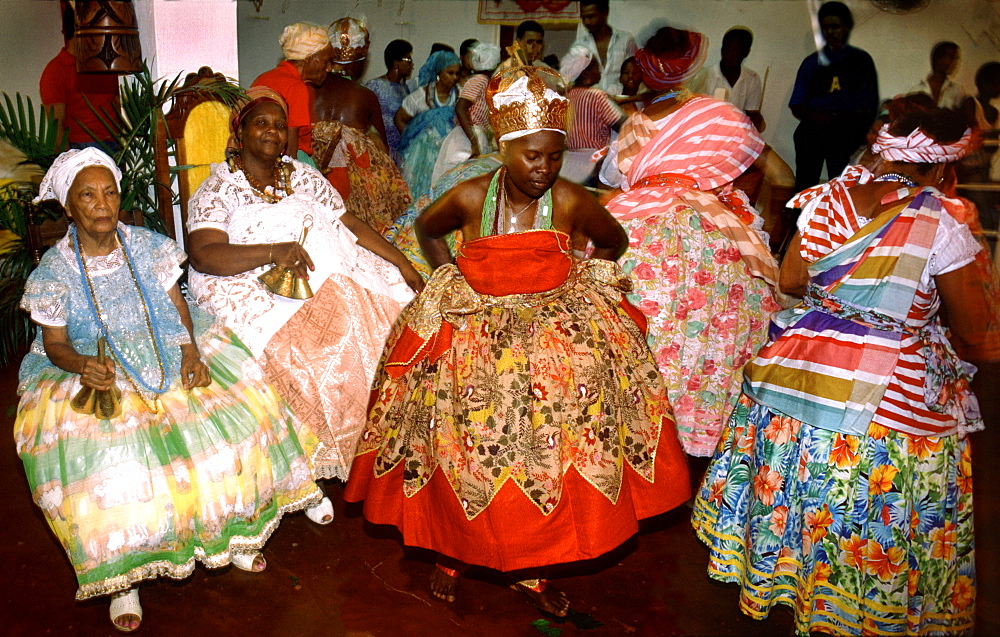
{"points": [[485, 57], [56, 182], [300, 40], [574, 63], [518, 93], [918, 148]]}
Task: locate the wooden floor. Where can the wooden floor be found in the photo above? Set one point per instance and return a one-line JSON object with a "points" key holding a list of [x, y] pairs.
{"points": [[349, 578]]}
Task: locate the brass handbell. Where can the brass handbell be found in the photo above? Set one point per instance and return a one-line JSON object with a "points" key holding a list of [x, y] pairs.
{"points": [[283, 282], [103, 404]]}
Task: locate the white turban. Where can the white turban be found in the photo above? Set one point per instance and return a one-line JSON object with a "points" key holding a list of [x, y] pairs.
{"points": [[519, 93], [300, 40], [56, 182], [485, 57], [574, 63]]}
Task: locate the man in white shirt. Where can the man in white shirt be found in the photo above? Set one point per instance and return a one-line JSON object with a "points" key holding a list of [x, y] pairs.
{"points": [[732, 82], [946, 92], [609, 46]]}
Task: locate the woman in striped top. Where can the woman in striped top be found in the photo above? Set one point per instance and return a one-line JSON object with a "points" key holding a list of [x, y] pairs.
{"points": [[595, 116], [842, 485]]}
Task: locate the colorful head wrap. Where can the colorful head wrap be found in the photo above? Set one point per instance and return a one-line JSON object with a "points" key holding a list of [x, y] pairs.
{"points": [[918, 148], [574, 63], [300, 40], [673, 68], [485, 57], [255, 95], [437, 62], [58, 179], [521, 102], [349, 39]]}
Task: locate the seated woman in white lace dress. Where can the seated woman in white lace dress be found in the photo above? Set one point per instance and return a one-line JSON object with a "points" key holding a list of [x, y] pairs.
{"points": [[320, 353]]}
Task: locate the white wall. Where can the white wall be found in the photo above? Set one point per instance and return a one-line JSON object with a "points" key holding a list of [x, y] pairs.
{"points": [[180, 36], [30, 36]]}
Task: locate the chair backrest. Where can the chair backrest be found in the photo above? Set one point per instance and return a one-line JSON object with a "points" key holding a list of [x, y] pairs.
{"points": [[44, 235], [199, 126]]}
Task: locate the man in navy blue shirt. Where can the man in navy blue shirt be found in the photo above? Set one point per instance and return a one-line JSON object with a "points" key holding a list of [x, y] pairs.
{"points": [[835, 100]]}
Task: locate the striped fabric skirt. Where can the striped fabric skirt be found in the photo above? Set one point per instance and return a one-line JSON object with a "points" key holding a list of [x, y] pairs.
{"points": [[197, 476], [867, 535]]}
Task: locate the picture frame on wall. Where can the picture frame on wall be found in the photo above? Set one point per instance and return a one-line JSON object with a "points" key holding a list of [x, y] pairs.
{"points": [[513, 12]]}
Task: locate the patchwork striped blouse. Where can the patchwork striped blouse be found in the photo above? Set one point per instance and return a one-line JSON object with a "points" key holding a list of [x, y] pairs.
{"points": [[826, 224]]}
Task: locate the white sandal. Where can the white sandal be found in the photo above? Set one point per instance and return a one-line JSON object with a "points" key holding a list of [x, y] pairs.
{"points": [[125, 603], [244, 561], [321, 513]]}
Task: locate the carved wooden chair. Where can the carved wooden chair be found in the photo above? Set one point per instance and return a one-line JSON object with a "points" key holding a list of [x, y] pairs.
{"points": [[44, 235], [198, 123]]}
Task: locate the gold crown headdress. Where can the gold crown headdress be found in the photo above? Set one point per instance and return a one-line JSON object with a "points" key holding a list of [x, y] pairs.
{"points": [[526, 99], [349, 39]]}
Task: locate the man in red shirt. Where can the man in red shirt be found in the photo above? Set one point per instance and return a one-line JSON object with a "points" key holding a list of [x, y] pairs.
{"points": [[66, 93], [308, 57]]}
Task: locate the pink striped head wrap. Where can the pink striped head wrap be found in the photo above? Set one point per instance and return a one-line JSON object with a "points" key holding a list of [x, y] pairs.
{"points": [[918, 148], [660, 72], [708, 140]]}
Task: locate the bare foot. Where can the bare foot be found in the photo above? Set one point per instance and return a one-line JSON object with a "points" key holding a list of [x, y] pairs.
{"points": [[551, 600], [443, 586]]}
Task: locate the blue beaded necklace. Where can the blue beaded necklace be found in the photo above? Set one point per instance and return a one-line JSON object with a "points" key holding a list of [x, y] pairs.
{"points": [[897, 177], [130, 371], [667, 96]]}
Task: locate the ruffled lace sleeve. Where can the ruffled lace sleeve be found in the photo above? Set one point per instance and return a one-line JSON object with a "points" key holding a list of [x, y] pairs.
{"points": [[167, 259], [212, 204], [46, 300], [954, 246]]}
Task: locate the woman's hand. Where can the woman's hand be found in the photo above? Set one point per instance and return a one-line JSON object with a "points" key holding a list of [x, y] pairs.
{"points": [[412, 277], [100, 376], [194, 373], [292, 256]]}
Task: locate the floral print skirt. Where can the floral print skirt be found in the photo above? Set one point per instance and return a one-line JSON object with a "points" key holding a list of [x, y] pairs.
{"points": [[196, 477], [533, 430], [859, 535], [708, 315]]}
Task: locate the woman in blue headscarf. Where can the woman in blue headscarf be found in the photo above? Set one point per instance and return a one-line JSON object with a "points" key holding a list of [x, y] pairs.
{"points": [[426, 117]]}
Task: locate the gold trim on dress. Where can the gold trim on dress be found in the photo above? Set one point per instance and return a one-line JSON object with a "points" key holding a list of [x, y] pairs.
{"points": [[237, 544]]}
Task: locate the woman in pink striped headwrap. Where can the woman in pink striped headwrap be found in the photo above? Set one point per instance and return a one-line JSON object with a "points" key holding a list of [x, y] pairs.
{"points": [[697, 255]]}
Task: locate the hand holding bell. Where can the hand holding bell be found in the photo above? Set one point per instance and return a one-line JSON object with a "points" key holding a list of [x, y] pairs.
{"points": [[283, 280], [104, 404]]}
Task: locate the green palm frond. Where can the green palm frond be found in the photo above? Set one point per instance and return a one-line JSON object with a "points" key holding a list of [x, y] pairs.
{"points": [[35, 136], [16, 329]]}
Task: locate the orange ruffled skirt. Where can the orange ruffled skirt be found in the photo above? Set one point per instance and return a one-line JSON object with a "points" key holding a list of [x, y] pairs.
{"points": [[518, 419]]}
